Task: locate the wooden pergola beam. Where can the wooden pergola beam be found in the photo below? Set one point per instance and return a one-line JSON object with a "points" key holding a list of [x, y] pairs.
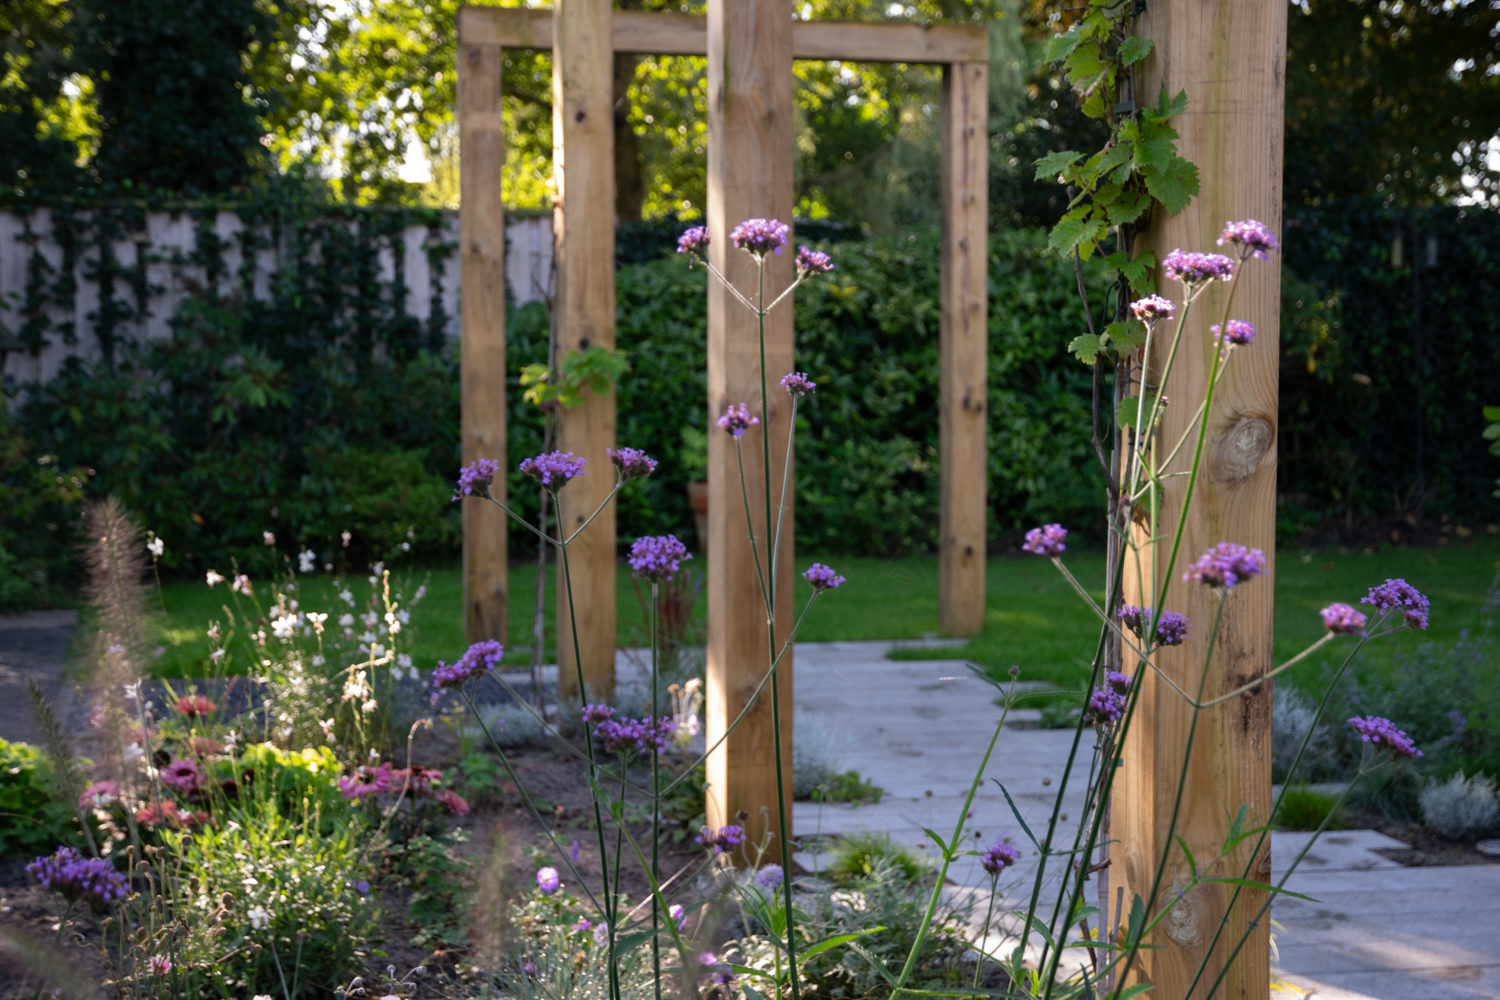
{"points": [[687, 35]]}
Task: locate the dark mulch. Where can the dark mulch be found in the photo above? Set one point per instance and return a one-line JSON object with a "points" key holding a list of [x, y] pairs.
{"points": [[1430, 850]]}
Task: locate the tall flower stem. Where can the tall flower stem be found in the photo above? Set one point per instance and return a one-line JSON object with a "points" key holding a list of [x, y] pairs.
{"points": [[655, 799]]}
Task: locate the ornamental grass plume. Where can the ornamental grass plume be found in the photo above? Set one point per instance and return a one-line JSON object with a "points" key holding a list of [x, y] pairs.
{"points": [[1226, 565], [737, 421], [1384, 735], [631, 463], [657, 557], [554, 469], [1046, 540], [759, 237], [76, 878]]}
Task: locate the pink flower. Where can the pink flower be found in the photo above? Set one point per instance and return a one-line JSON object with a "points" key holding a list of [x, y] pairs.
{"points": [[99, 795], [194, 705], [183, 776], [366, 783]]}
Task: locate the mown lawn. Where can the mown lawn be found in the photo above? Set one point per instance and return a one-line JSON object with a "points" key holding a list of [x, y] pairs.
{"points": [[1033, 619]]}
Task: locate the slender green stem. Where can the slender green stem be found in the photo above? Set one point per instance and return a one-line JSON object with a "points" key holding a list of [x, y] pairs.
{"points": [[655, 798], [950, 851], [989, 911], [760, 573]]}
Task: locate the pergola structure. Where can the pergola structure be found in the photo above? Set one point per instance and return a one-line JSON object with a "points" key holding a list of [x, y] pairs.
{"points": [[750, 174]]}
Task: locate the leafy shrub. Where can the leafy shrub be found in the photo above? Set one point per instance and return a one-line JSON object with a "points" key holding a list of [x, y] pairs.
{"points": [[39, 501], [1303, 808], [818, 743], [32, 821], [867, 855], [1460, 807], [1292, 716], [847, 787]]}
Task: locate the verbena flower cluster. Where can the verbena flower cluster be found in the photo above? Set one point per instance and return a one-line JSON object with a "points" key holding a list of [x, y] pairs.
{"points": [[1226, 565], [1343, 619], [657, 557], [628, 736], [1253, 237], [1046, 540], [737, 421], [554, 468], [78, 878], [1171, 628], [475, 476], [822, 577], [1153, 308], [632, 463], [725, 838], [1196, 268], [798, 384], [810, 261], [761, 236], [998, 857], [1384, 735], [694, 241], [1236, 331], [478, 660], [1399, 595]]}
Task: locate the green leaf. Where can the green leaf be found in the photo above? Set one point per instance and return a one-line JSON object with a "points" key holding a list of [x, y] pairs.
{"points": [[1055, 163], [939, 842], [1134, 49], [875, 963], [751, 992], [1026, 829], [1167, 108], [1136, 990], [1126, 209], [1492, 413], [1038, 925], [1065, 236], [628, 941], [834, 942], [1175, 186], [1130, 408], [745, 970], [1192, 861], [1252, 884], [1061, 46], [1124, 336], [1085, 347]]}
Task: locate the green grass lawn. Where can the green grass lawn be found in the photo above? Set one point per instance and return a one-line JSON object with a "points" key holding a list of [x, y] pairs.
{"points": [[1033, 620]]}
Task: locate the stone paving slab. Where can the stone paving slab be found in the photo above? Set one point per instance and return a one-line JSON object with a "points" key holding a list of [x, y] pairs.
{"points": [[33, 646], [1378, 931]]}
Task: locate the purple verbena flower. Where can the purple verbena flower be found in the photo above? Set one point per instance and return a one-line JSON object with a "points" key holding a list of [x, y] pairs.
{"points": [[798, 384], [476, 476], [601, 933], [1153, 308], [1171, 627], [769, 877], [761, 236], [593, 714], [737, 421], [1194, 268], [1398, 594], [694, 241], [1237, 331], [998, 857], [632, 463], [1343, 620], [77, 878], [657, 557], [554, 469], [1227, 564], [1105, 706], [478, 660], [548, 880], [822, 577], [810, 261], [628, 736], [678, 915], [1046, 540], [1118, 681], [1255, 239], [725, 838], [1384, 735]]}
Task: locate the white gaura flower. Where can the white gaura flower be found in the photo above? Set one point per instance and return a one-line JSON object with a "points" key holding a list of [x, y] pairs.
{"points": [[214, 578], [156, 546], [307, 561], [316, 620], [346, 620], [216, 655], [260, 917], [241, 585], [284, 627], [269, 536]]}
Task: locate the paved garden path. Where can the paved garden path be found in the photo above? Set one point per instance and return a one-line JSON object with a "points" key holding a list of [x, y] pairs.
{"points": [[33, 646], [919, 728]]}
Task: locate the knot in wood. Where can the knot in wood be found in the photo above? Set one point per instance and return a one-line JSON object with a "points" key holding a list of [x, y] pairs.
{"points": [[1238, 452]]}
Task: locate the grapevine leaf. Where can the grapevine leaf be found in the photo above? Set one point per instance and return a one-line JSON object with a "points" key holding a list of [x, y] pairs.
{"points": [[1167, 108], [1175, 186], [1061, 46], [1134, 49], [1085, 347], [1065, 235], [1130, 206], [1125, 335], [1055, 163]]}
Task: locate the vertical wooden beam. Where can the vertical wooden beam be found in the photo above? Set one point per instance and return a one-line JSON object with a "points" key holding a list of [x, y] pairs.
{"points": [[1230, 59], [750, 144], [583, 223], [964, 336], [481, 238]]}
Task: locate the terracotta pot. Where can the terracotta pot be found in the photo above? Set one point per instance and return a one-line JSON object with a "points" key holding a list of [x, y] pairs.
{"points": [[698, 500]]}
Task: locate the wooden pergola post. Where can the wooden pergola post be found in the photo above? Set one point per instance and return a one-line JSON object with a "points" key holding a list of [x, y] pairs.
{"points": [[481, 237], [1230, 59], [964, 335], [750, 148], [584, 230]]}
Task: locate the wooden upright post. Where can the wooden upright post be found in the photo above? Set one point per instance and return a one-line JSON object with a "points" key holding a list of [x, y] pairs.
{"points": [[750, 146], [1230, 59], [584, 228], [482, 315], [964, 335]]}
